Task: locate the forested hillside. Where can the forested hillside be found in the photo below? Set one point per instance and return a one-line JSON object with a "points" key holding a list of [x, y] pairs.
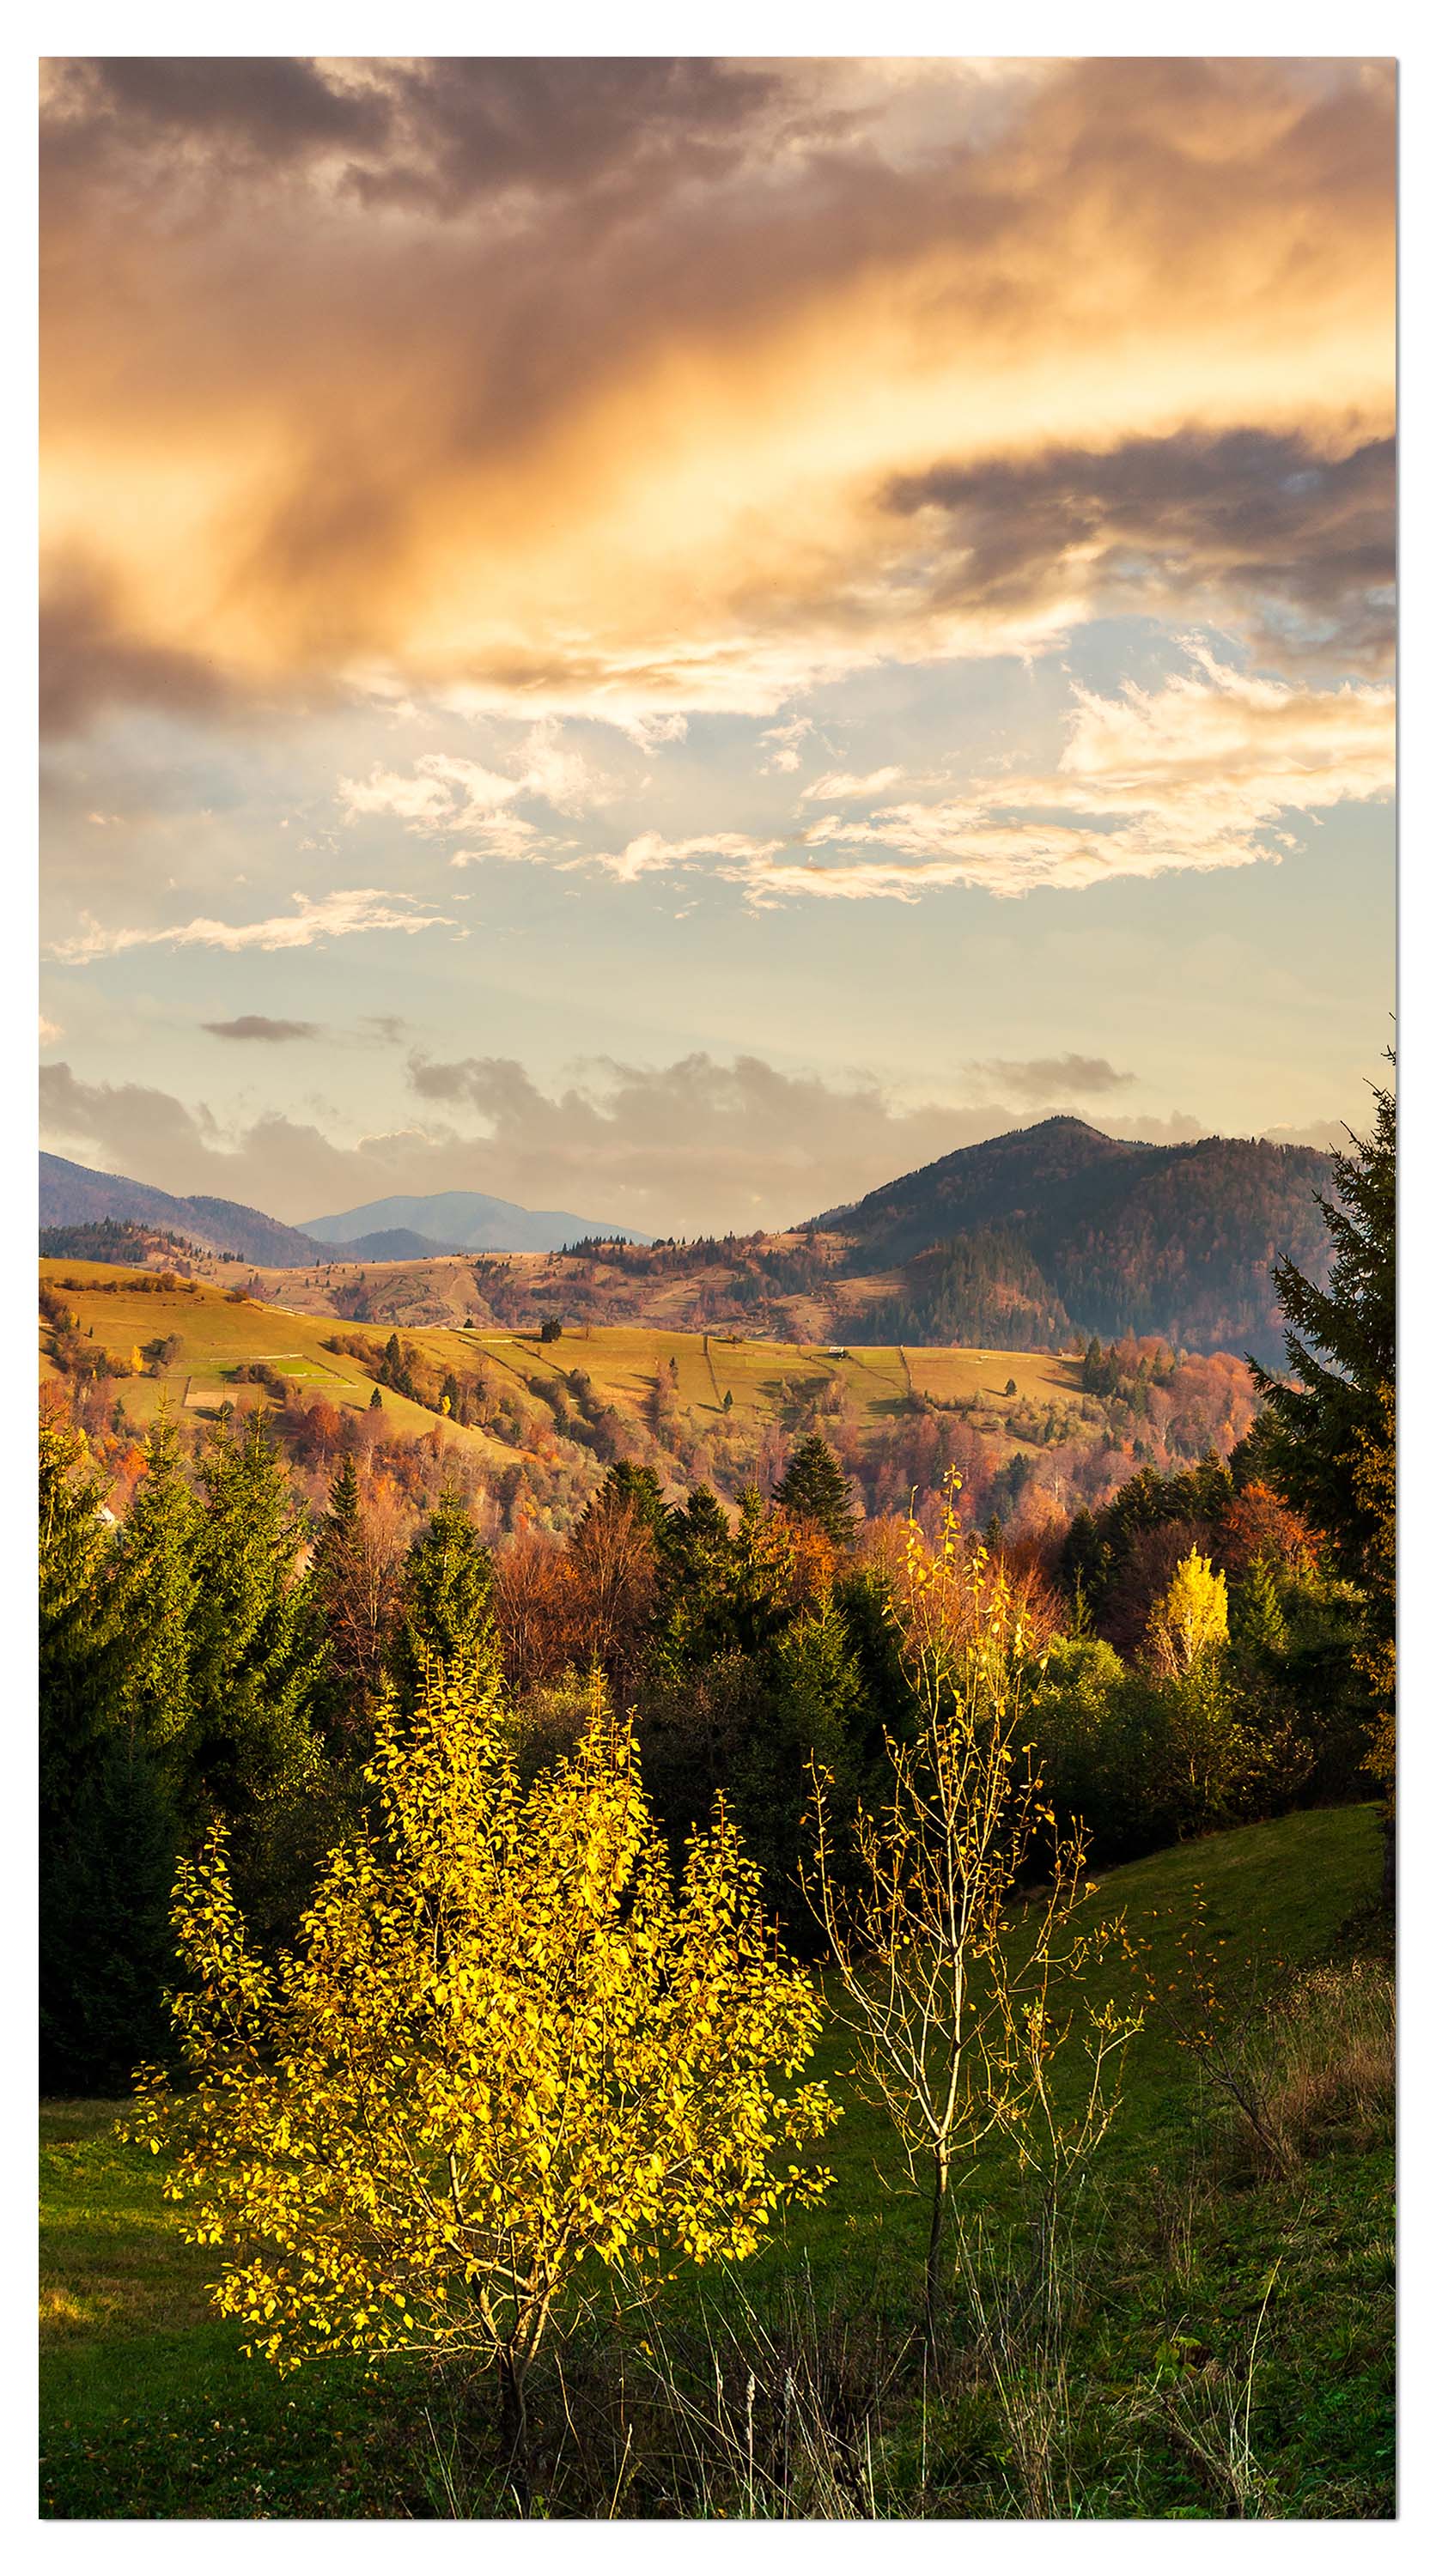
{"points": [[1079, 1231]]}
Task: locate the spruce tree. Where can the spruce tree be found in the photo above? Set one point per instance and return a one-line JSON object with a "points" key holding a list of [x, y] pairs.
{"points": [[693, 1617], [1258, 1626], [156, 1590], [106, 1953], [259, 1641], [344, 1496], [816, 1490], [79, 1645], [1321, 1429], [445, 1615]]}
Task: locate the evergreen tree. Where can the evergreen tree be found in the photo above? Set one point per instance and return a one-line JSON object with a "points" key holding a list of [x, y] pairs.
{"points": [[79, 1646], [354, 1583], [642, 1488], [1258, 1626], [812, 1711], [1329, 1441], [816, 1490], [344, 1497], [106, 1953], [1321, 1428], [445, 1615], [693, 1617], [156, 1593], [259, 1641]]}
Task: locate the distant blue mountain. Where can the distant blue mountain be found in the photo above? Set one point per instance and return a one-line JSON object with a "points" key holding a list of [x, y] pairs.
{"points": [[467, 1221]]}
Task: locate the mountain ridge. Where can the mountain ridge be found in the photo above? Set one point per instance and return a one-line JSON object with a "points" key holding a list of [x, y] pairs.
{"points": [[467, 1221]]}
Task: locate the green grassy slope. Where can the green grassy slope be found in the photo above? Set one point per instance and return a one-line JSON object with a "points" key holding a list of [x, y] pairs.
{"points": [[149, 2409]]}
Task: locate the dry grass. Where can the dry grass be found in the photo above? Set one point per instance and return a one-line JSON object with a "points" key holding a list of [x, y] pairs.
{"points": [[1320, 2073]]}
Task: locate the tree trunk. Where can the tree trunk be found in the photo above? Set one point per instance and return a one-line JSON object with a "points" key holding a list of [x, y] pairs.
{"points": [[514, 2429], [934, 2247]]}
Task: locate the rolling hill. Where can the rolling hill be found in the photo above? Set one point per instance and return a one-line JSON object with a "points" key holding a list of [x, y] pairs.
{"points": [[540, 1421]]}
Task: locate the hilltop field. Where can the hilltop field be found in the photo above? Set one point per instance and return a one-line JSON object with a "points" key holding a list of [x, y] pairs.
{"points": [[719, 1407]]}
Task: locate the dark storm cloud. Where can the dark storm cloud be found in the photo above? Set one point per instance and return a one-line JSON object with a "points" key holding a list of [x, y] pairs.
{"points": [[88, 660], [437, 135], [1265, 520], [273, 108], [252, 1024]]}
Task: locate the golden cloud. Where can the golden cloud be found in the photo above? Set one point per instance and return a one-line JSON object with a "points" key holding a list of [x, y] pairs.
{"points": [[1195, 774], [642, 389]]}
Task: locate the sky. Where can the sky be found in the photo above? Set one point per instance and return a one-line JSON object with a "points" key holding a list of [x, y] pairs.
{"points": [[676, 639]]}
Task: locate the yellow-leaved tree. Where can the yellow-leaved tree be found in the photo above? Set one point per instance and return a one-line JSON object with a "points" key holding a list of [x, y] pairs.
{"points": [[961, 1986], [1190, 1620], [507, 2059]]}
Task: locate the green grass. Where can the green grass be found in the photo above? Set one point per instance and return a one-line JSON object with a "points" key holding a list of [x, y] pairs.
{"points": [[150, 2410]]}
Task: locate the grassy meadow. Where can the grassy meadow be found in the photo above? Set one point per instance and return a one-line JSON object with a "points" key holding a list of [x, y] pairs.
{"points": [[1215, 2337], [770, 1382]]}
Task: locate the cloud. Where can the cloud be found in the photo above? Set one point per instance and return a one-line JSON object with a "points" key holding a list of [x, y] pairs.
{"points": [[838, 783], [91, 659], [787, 740], [332, 916], [1049, 1077], [692, 1146], [440, 794], [444, 794], [50, 1031], [1196, 773], [1289, 536], [717, 399], [252, 1024], [650, 850], [436, 137]]}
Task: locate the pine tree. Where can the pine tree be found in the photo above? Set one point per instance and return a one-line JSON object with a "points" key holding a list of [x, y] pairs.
{"points": [[816, 1490], [445, 1618], [812, 1712], [376, 1401], [642, 1489]]}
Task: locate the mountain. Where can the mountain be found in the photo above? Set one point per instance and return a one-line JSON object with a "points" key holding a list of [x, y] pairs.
{"points": [[1057, 1228], [71, 1195], [395, 1243], [465, 1221]]}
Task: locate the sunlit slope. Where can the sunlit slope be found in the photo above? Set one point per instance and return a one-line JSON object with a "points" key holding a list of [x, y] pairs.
{"points": [[627, 1364]]}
